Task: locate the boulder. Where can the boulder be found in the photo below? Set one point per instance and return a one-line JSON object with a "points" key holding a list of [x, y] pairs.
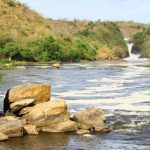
{"points": [[39, 92], [30, 130], [52, 116], [66, 126], [56, 65], [11, 126], [82, 132], [91, 119], [3, 137], [42, 67], [21, 104]]}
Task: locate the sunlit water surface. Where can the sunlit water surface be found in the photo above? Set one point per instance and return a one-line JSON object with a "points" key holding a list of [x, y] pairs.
{"points": [[120, 89]]}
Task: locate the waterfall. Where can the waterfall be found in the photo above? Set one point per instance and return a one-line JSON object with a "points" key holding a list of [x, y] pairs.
{"points": [[131, 55]]}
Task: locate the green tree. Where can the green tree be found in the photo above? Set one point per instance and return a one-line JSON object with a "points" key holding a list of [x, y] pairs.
{"points": [[11, 50], [46, 49]]}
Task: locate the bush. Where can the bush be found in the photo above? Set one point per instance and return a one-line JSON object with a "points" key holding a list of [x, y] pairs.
{"points": [[70, 55], [46, 49], [86, 51], [27, 55], [85, 32], [12, 51], [11, 3], [138, 38]]}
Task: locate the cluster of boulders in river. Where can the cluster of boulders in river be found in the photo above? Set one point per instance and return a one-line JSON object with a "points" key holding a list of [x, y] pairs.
{"points": [[28, 110]]}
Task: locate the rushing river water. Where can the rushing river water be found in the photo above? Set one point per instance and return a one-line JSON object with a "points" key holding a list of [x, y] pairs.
{"points": [[120, 89]]}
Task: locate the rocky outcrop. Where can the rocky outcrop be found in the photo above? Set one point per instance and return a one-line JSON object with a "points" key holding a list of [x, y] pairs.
{"points": [[136, 49], [33, 112], [91, 119]]}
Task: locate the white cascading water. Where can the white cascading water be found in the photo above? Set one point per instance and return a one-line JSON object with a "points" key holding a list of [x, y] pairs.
{"points": [[132, 57]]}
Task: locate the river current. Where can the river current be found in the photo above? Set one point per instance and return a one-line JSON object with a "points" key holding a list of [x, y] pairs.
{"points": [[120, 89]]}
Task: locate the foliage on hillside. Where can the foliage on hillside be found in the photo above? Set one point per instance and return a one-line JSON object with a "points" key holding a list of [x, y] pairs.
{"points": [[142, 43], [130, 28], [25, 35]]}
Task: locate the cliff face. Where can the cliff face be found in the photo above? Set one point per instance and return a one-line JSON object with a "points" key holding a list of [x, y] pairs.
{"points": [[75, 39]]}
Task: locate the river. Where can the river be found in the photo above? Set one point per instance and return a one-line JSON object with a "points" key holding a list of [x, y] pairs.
{"points": [[120, 89]]}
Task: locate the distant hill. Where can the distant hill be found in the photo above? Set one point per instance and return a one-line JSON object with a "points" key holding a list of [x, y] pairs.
{"points": [[26, 35]]}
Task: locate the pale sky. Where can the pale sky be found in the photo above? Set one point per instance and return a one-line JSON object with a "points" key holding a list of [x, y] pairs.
{"points": [[136, 10]]}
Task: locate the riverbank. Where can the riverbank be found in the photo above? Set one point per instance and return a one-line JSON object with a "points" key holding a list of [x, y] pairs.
{"points": [[11, 65]]}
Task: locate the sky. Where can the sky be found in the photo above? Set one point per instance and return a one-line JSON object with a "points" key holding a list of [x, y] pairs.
{"points": [[127, 10]]}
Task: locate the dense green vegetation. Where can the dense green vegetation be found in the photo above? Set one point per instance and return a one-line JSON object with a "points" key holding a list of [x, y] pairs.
{"points": [[1, 76], [142, 43], [27, 36]]}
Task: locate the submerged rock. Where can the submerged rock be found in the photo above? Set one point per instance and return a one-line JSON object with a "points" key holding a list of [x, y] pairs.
{"points": [[56, 65], [91, 119], [3, 137], [82, 132], [42, 67]]}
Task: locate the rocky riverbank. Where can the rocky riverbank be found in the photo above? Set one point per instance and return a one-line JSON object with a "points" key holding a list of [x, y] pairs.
{"points": [[29, 110]]}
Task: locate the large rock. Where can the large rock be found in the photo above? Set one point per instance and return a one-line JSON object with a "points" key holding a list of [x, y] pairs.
{"points": [[11, 126], [52, 116], [23, 95], [3, 137], [39, 92], [91, 119], [46, 113]]}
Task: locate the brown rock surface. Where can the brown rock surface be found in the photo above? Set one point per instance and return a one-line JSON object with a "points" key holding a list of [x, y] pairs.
{"points": [[21, 104], [39, 92], [47, 113], [91, 119], [3, 137], [66, 126], [11, 126], [30, 130]]}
